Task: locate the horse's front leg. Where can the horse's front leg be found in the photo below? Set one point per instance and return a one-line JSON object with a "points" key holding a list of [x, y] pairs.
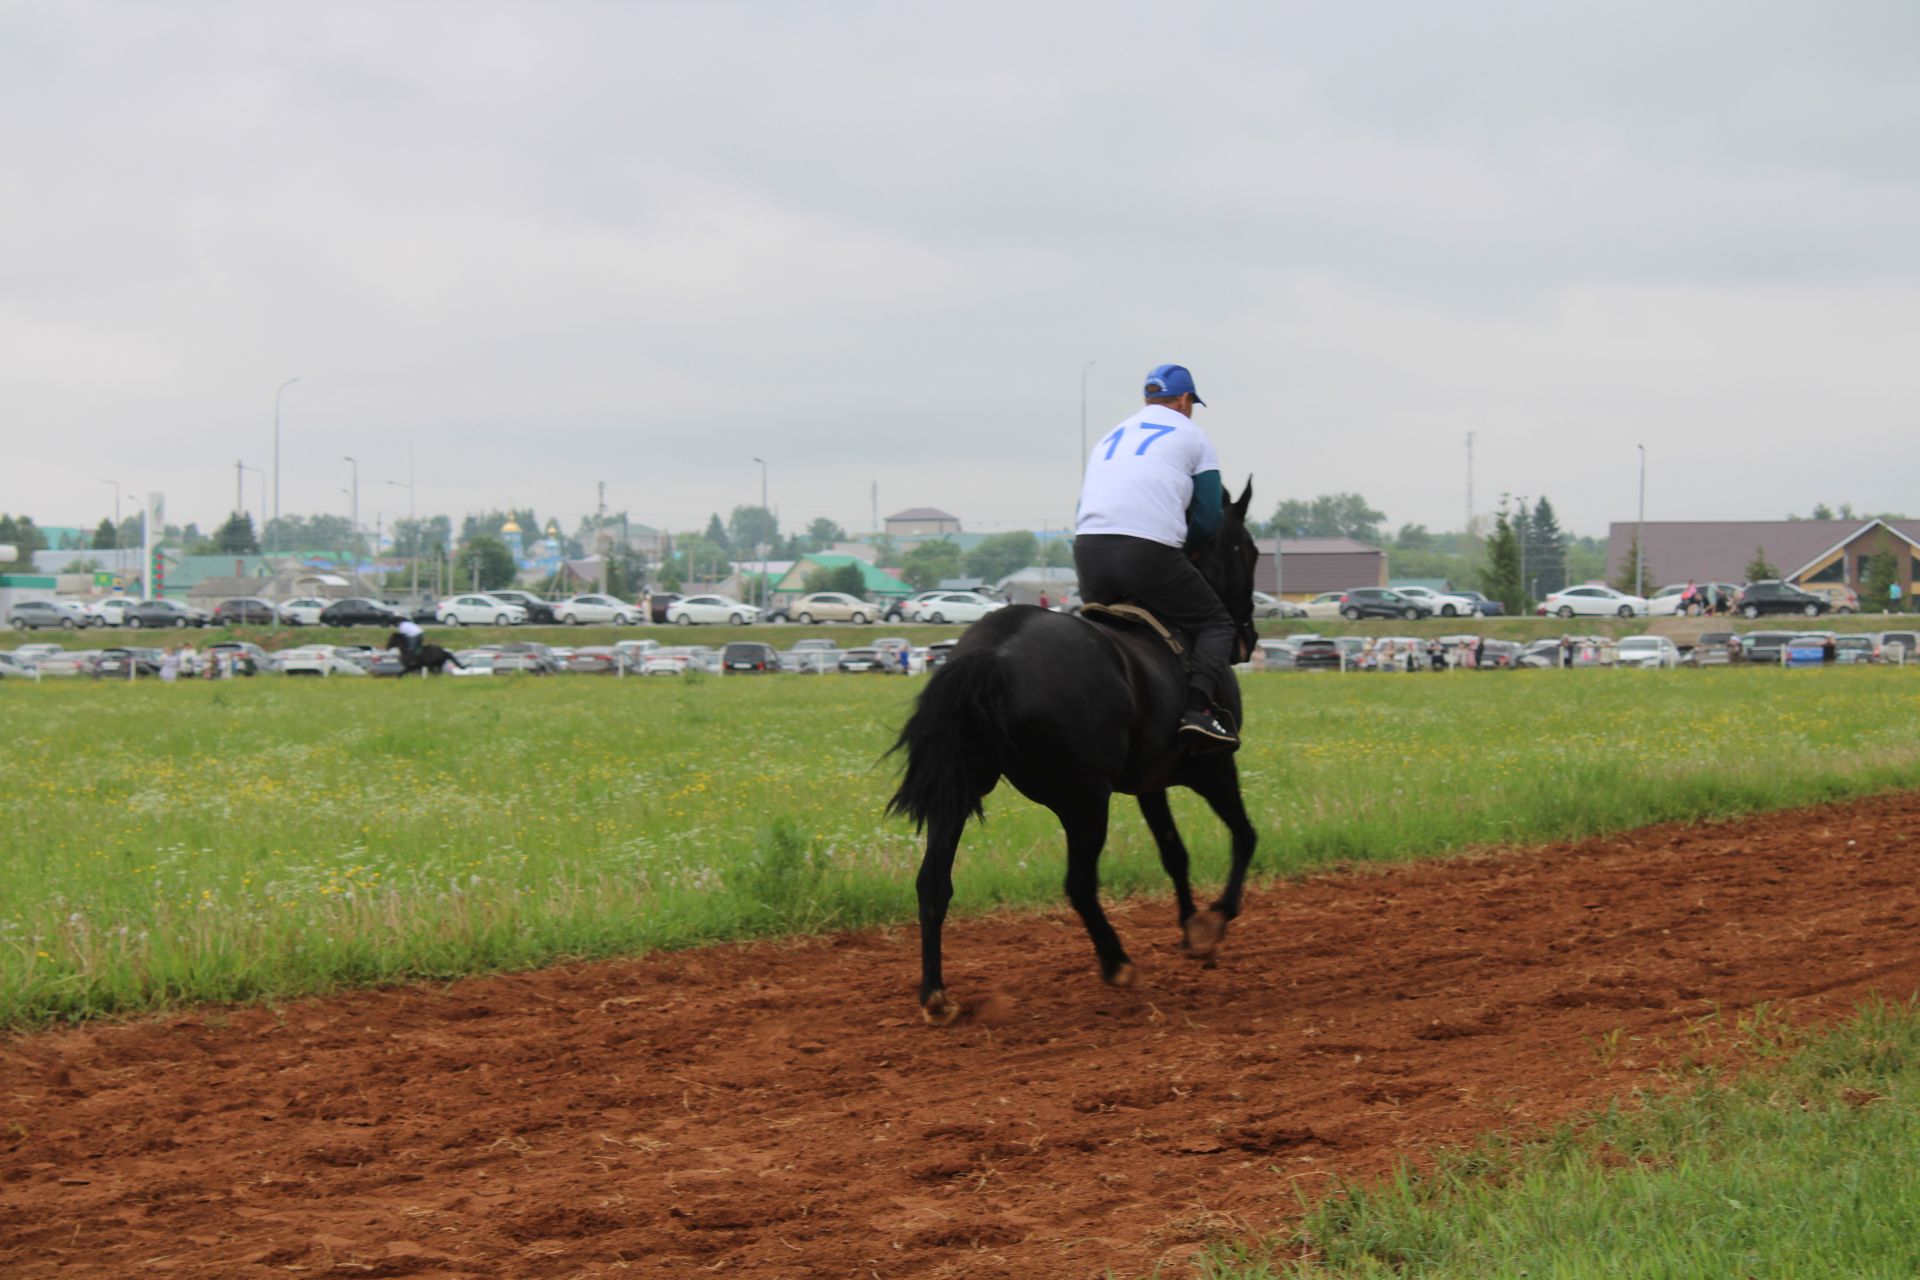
{"points": [[1085, 820], [1173, 851]]}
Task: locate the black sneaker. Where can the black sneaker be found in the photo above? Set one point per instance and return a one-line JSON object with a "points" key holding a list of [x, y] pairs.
{"points": [[1205, 732]]}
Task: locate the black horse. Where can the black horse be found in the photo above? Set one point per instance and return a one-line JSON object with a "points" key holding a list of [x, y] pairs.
{"points": [[428, 659], [1070, 711]]}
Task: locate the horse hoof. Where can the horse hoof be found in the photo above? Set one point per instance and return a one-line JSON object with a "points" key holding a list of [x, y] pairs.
{"points": [[1205, 930], [938, 1010], [1122, 976]]}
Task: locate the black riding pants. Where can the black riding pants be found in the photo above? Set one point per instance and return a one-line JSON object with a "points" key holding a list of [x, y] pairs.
{"points": [[1114, 567]]}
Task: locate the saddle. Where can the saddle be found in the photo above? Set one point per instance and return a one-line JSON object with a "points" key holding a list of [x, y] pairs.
{"points": [[1126, 616]]}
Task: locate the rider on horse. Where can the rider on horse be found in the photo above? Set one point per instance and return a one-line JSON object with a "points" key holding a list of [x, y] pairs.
{"points": [[1152, 488], [410, 637]]}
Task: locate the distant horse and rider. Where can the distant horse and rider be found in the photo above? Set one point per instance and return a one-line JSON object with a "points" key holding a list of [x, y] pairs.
{"points": [[1071, 710], [417, 654]]}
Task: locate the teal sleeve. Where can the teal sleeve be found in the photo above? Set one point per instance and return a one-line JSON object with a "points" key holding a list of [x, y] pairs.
{"points": [[1203, 513]]}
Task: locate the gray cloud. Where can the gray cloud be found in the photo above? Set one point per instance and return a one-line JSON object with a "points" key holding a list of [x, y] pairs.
{"points": [[875, 244]]}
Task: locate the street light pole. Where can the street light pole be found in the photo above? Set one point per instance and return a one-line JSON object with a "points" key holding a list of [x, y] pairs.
{"points": [[276, 447], [414, 523], [1640, 531], [1526, 527], [116, 512], [353, 530], [763, 546], [1088, 368]]}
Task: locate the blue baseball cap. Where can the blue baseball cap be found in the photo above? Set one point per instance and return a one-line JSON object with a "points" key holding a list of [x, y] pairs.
{"points": [[1172, 380]]}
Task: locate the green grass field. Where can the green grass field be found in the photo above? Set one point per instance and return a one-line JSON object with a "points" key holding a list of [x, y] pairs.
{"points": [[243, 839], [1802, 1166]]}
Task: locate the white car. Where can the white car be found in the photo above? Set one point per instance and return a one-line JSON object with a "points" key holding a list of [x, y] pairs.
{"points": [[676, 660], [319, 660], [474, 662], [1592, 602], [692, 609], [303, 611], [1646, 651], [955, 606], [479, 610], [113, 610], [1665, 603], [1442, 604], [581, 610], [1325, 605]]}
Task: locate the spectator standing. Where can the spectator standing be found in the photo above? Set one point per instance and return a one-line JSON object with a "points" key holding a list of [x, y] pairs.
{"points": [[1893, 596], [170, 664], [1043, 600], [646, 605]]}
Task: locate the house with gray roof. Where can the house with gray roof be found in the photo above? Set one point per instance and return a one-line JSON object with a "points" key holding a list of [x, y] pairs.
{"points": [[1806, 552]]}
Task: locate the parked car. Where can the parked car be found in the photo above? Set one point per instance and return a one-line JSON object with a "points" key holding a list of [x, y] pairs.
{"points": [[319, 660], [1770, 595], [597, 660], [1715, 649], [247, 611], [1646, 651], [660, 602], [955, 606], [711, 608], [1316, 653], [1764, 646], [1325, 605], [165, 613], [539, 611], [863, 658], [1499, 655], [581, 610], [1592, 601], [1486, 606], [1441, 603], [532, 657], [1840, 599], [1275, 654], [674, 660], [1907, 641], [906, 610], [812, 655], [749, 655], [128, 662], [832, 606], [303, 611], [1856, 649], [359, 611], [1379, 602], [479, 609], [69, 662], [938, 652], [37, 615], [112, 610], [473, 662]]}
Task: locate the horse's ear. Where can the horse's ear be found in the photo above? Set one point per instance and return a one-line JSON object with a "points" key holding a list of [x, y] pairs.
{"points": [[1241, 503]]}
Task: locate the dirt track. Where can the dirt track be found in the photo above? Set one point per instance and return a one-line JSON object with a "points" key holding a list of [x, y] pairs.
{"points": [[779, 1111]]}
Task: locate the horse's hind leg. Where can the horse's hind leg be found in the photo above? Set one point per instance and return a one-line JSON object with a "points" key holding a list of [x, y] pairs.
{"points": [[1217, 781], [1173, 851], [935, 889], [1085, 820]]}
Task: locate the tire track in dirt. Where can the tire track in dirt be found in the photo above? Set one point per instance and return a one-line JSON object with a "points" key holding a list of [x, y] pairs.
{"points": [[777, 1109]]}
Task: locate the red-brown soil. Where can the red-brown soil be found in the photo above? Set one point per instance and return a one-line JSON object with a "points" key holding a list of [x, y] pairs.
{"points": [[779, 1110]]}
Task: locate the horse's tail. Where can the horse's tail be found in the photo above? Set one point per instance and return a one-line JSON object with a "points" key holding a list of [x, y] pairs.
{"points": [[454, 658], [955, 741]]}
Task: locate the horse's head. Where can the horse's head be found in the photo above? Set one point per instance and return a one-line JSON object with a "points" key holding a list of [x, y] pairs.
{"points": [[1227, 564]]}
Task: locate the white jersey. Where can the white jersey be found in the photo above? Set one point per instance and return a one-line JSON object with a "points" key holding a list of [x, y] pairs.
{"points": [[409, 628], [1140, 476]]}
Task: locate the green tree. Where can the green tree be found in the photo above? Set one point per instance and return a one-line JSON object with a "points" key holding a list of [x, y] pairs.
{"points": [[848, 578], [1057, 554], [20, 533], [1413, 537], [1633, 577], [1821, 511], [106, 537], [484, 563], [925, 565], [236, 536], [421, 537], [1330, 515], [1002, 554], [748, 528], [1500, 576], [717, 533], [626, 572], [823, 533], [1759, 568], [1883, 570], [1546, 551]]}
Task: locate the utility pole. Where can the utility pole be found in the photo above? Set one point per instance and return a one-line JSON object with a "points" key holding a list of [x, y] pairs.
{"points": [[600, 536], [763, 544], [276, 447], [1468, 527], [239, 479], [1525, 531], [1640, 531], [116, 512]]}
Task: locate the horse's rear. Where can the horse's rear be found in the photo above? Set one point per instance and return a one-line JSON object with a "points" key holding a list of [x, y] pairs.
{"points": [[1069, 713]]}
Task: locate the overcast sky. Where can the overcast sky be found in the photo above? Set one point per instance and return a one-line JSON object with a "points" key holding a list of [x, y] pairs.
{"points": [[555, 244]]}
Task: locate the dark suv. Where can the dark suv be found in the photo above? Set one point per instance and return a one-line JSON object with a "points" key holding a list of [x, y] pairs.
{"points": [[1378, 602], [1770, 596], [749, 655], [538, 610], [245, 611], [358, 611]]}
